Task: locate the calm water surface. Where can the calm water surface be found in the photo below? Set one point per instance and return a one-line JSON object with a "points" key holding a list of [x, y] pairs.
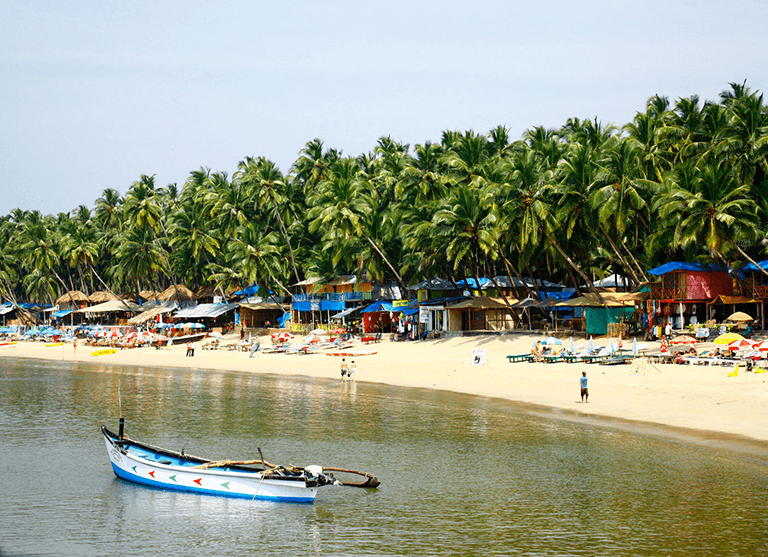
{"points": [[460, 475]]}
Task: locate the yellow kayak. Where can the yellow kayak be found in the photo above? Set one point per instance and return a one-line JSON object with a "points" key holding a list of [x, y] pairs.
{"points": [[103, 352], [54, 344]]}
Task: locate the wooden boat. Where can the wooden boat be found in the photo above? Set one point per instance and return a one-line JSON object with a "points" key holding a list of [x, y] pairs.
{"points": [[253, 479]]}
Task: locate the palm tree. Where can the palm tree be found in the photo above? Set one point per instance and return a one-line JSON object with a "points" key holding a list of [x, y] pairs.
{"points": [[467, 229], [267, 186], [343, 202], [715, 213]]}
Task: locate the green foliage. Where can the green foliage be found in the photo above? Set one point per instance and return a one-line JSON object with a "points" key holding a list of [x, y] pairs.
{"points": [[683, 180]]}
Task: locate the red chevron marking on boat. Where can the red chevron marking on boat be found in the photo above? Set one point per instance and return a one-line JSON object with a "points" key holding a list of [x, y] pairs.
{"points": [[197, 481], [152, 473]]}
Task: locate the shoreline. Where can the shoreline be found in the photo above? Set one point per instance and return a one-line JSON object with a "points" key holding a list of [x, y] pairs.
{"points": [[701, 400]]}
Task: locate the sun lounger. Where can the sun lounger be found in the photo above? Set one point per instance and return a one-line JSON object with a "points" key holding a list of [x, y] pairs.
{"points": [[611, 361], [520, 358]]}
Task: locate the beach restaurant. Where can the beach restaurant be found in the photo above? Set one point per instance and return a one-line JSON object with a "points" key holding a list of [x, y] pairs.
{"points": [[684, 292]]}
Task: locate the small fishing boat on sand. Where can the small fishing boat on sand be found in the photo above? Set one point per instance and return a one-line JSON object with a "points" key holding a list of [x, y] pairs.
{"points": [[252, 479]]}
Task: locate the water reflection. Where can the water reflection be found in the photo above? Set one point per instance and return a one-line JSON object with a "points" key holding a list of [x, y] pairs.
{"points": [[460, 474]]}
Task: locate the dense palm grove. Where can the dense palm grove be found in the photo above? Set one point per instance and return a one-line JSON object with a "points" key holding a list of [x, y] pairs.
{"points": [[682, 181]]}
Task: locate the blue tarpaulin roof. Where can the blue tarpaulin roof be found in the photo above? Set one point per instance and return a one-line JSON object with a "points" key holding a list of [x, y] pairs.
{"points": [[472, 283], [751, 266], [61, 313], [378, 306], [683, 266], [329, 305]]}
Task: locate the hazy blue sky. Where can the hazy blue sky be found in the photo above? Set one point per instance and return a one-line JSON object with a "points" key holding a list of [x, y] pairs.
{"points": [[94, 94]]}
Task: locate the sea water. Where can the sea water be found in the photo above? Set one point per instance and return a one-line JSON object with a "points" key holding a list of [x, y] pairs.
{"points": [[460, 475]]}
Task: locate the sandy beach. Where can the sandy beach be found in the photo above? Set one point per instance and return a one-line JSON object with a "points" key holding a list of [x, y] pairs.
{"points": [[692, 397]]}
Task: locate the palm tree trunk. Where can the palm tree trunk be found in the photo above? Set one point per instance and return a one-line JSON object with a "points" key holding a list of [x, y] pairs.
{"points": [[533, 280], [744, 254], [572, 263], [388, 264], [288, 241], [624, 262], [108, 288]]}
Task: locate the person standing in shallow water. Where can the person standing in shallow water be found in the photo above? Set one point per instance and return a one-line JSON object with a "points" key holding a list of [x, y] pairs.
{"points": [[584, 389]]}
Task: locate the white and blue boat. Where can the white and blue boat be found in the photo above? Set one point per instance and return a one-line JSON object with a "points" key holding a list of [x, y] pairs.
{"points": [[255, 479]]}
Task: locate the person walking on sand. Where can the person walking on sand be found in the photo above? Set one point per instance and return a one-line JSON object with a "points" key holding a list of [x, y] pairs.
{"points": [[189, 349], [344, 369], [352, 370], [254, 348], [584, 389]]}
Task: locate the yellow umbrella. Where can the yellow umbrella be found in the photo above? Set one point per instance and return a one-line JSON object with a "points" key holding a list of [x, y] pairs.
{"points": [[727, 338]]}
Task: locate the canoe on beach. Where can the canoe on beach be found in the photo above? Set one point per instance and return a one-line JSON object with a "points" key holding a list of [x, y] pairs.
{"points": [[252, 479]]}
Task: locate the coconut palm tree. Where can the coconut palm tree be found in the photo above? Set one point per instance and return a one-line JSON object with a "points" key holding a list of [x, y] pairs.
{"points": [[267, 187]]}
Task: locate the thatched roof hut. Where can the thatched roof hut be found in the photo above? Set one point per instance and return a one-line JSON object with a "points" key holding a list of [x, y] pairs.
{"points": [[102, 296], [147, 295], [73, 296], [179, 293]]}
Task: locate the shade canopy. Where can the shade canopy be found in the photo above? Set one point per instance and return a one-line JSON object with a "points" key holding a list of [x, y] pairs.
{"points": [[727, 338], [739, 317], [72, 296], [179, 293], [102, 296]]}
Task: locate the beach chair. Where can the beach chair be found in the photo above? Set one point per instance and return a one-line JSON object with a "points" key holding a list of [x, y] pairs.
{"points": [[597, 356]]}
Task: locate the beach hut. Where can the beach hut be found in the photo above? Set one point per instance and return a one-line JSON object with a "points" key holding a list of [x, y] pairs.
{"points": [[102, 296], [480, 314], [149, 295], [74, 299], [597, 315], [257, 315], [685, 291], [178, 293]]}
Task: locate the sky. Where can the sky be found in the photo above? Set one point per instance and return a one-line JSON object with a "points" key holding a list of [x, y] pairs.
{"points": [[93, 94]]}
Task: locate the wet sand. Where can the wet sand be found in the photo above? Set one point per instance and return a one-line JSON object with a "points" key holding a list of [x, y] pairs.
{"points": [[682, 396]]}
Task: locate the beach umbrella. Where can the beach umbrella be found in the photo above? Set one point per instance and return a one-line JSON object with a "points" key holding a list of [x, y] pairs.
{"points": [[196, 325], [318, 332], [739, 317], [611, 348], [741, 344], [219, 335], [684, 339], [551, 341], [727, 338], [663, 347], [313, 338], [282, 337], [762, 347]]}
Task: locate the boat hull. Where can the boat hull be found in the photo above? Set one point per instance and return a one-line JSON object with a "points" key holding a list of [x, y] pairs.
{"points": [[139, 464]]}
